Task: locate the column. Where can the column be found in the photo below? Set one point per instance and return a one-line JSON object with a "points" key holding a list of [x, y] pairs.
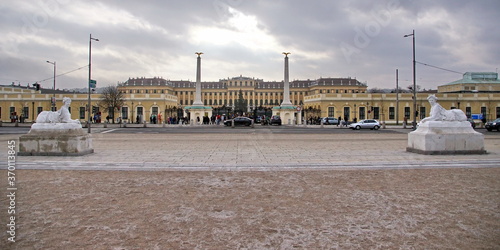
{"points": [[286, 87], [197, 100]]}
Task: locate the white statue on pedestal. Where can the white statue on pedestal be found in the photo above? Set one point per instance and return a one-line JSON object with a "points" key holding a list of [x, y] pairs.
{"points": [[60, 116], [56, 134], [438, 113], [445, 132]]}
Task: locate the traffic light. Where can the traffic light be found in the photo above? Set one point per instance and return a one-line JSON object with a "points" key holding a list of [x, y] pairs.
{"points": [[37, 86]]}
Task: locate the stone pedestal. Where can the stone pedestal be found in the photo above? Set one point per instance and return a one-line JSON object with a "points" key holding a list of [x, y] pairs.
{"points": [[445, 137], [287, 114], [55, 139], [198, 112]]}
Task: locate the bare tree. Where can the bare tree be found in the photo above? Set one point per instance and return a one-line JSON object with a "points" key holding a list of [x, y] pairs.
{"points": [[410, 87], [400, 90], [375, 90], [111, 99]]}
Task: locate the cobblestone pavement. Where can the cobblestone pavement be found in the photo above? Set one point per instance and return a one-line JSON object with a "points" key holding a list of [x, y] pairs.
{"points": [[261, 149], [255, 190]]}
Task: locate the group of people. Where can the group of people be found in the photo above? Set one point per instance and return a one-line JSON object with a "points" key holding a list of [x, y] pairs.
{"points": [[96, 118], [13, 117], [153, 119], [214, 119], [157, 119]]}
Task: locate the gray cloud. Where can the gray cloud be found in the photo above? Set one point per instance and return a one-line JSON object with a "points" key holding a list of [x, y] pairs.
{"points": [[362, 39]]}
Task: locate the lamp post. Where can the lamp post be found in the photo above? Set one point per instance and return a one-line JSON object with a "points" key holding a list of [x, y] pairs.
{"points": [[132, 118], [54, 94], [355, 117], [414, 83], [90, 70], [397, 97]]}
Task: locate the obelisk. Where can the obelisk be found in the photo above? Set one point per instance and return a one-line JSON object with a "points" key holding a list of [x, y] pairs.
{"points": [[286, 110], [286, 87], [198, 110], [197, 97]]}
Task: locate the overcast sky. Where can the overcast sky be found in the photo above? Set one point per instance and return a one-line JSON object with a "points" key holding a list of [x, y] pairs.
{"points": [[357, 38]]}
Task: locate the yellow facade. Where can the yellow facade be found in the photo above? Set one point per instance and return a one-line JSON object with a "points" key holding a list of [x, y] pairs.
{"points": [[29, 102], [333, 97], [385, 107]]}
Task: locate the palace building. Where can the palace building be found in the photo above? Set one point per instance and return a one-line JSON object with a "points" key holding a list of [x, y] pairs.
{"points": [[255, 91], [477, 94]]}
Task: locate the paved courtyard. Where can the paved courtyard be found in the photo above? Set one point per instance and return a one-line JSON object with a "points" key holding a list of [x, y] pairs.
{"points": [[256, 190]]}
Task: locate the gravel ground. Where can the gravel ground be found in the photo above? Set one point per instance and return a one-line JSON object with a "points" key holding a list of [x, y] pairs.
{"points": [[361, 209]]}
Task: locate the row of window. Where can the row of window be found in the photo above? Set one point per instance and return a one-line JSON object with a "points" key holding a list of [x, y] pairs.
{"points": [[235, 93], [337, 91], [145, 91], [230, 102], [177, 93]]}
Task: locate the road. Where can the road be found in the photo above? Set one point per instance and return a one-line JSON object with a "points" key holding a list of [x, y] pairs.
{"points": [[211, 129]]}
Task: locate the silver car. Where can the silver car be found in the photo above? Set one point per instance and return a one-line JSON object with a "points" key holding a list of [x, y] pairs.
{"points": [[371, 124], [330, 121]]}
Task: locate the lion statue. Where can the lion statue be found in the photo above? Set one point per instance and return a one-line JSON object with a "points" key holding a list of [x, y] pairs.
{"points": [[60, 116], [438, 113]]}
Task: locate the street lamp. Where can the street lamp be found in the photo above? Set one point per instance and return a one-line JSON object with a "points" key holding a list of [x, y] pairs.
{"points": [[90, 70], [355, 116], [54, 94], [414, 83], [132, 117]]}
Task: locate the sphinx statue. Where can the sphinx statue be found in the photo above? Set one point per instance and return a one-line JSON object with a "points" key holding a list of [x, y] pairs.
{"points": [[60, 116], [445, 132], [56, 134], [438, 113]]}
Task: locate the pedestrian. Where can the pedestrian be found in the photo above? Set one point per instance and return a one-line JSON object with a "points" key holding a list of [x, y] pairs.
{"points": [[217, 119]]}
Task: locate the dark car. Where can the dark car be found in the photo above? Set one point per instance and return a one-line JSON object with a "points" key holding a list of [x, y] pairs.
{"points": [[275, 120], [239, 121], [493, 125]]}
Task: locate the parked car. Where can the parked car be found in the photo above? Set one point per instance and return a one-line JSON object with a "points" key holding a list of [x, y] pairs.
{"points": [[330, 120], [493, 125], [275, 120], [239, 121], [472, 123], [371, 124]]}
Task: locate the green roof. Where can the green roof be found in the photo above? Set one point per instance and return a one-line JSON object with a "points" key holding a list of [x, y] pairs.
{"points": [[477, 78]]}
